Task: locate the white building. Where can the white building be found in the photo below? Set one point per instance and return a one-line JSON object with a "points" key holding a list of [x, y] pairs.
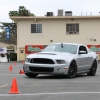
{"points": [[43, 30]]}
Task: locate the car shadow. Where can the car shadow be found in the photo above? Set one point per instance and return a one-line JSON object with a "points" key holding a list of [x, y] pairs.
{"points": [[56, 77]]}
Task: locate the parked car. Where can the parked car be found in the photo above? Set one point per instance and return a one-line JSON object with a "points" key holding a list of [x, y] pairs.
{"points": [[62, 59]]}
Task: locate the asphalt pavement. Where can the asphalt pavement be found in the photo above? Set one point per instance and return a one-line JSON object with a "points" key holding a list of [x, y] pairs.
{"points": [[47, 87]]}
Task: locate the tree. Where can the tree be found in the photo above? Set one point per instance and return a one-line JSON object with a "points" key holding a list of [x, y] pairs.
{"points": [[22, 11], [3, 35], [13, 32], [0, 35], [13, 13]]}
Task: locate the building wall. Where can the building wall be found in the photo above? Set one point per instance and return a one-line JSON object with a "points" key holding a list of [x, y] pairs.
{"points": [[56, 30], [9, 45], [3, 45]]}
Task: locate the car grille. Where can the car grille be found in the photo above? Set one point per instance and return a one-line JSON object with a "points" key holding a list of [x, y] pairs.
{"points": [[41, 69], [42, 61]]}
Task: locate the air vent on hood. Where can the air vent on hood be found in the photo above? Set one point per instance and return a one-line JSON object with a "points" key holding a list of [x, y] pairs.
{"points": [[47, 53]]}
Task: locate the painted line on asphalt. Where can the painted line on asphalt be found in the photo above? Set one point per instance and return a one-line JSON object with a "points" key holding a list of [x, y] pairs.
{"points": [[57, 93], [11, 74], [9, 65], [2, 67], [3, 85]]}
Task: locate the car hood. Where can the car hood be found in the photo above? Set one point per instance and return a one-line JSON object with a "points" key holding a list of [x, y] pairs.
{"points": [[51, 55]]}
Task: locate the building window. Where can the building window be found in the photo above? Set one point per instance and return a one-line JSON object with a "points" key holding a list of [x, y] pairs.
{"points": [[72, 28], [21, 51], [36, 28]]}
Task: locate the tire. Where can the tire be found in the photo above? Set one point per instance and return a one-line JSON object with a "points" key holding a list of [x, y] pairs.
{"points": [[31, 75], [93, 69], [72, 70]]}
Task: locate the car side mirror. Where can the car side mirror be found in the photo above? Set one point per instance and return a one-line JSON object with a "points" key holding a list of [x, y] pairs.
{"points": [[82, 52]]}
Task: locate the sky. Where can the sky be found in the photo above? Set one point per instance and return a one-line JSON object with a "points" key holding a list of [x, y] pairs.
{"points": [[40, 7]]}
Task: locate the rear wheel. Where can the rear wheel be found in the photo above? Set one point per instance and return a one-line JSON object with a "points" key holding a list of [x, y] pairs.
{"points": [[93, 69], [31, 75], [72, 70]]}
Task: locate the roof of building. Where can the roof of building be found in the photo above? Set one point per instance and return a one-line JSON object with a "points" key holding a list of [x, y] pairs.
{"points": [[5, 44], [53, 17]]}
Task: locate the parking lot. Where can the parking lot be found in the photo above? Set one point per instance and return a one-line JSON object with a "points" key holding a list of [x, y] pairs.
{"points": [[47, 87]]}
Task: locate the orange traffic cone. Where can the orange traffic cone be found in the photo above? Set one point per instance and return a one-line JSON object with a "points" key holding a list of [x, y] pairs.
{"points": [[14, 87], [14, 63], [10, 68], [23, 62], [21, 72]]}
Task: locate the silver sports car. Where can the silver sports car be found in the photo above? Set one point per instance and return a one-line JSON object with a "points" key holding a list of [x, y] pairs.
{"points": [[62, 59]]}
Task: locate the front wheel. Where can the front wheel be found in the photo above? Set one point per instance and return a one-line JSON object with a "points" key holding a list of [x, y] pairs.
{"points": [[72, 70], [31, 75], [93, 69]]}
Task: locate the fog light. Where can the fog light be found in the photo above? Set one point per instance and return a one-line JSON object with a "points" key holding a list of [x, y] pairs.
{"points": [[59, 69]]}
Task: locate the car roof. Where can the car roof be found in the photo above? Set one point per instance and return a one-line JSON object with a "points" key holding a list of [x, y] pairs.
{"points": [[70, 43]]}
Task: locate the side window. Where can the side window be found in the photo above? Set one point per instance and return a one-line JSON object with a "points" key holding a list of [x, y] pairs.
{"points": [[83, 48]]}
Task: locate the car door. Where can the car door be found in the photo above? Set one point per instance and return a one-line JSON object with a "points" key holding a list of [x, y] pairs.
{"points": [[90, 57], [82, 59]]}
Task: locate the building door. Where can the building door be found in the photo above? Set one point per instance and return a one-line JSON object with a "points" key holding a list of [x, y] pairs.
{"points": [[21, 54]]}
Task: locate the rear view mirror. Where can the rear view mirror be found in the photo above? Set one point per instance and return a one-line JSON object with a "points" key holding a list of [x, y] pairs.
{"points": [[82, 52]]}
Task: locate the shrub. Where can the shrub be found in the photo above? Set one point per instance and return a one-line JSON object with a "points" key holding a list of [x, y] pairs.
{"points": [[13, 56]]}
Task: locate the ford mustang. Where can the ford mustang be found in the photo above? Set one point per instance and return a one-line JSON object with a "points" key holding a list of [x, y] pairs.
{"points": [[62, 59]]}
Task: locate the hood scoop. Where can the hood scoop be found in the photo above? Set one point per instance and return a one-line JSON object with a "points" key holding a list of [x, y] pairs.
{"points": [[48, 53]]}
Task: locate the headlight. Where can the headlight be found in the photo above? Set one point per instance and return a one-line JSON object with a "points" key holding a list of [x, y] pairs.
{"points": [[61, 61], [27, 60]]}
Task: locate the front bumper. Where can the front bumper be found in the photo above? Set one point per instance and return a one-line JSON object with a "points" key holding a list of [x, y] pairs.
{"points": [[45, 68]]}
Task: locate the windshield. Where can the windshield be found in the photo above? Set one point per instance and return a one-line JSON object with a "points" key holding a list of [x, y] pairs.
{"points": [[61, 48]]}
